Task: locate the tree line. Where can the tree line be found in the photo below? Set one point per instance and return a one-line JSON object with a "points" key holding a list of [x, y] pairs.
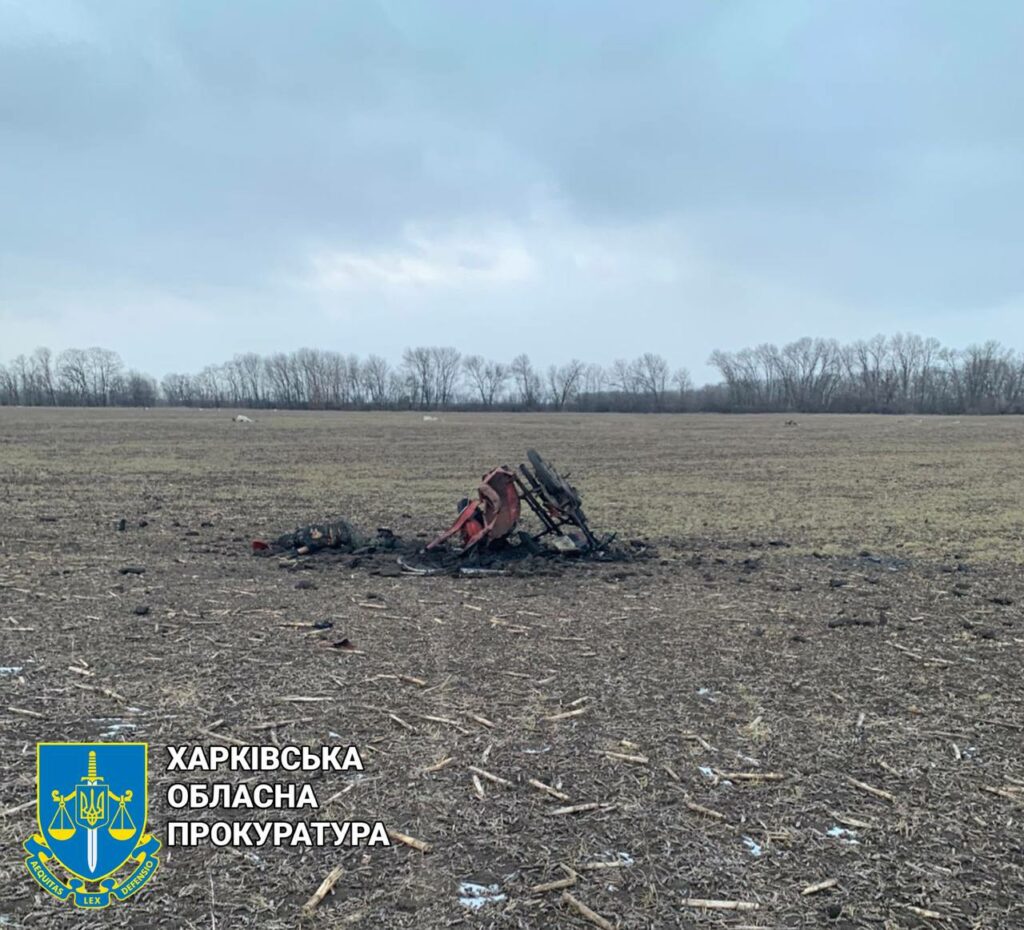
{"points": [[899, 374], [428, 378], [904, 373], [75, 378]]}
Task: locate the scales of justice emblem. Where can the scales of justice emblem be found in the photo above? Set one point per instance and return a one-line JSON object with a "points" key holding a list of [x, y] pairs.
{"points": [[91, 807]]}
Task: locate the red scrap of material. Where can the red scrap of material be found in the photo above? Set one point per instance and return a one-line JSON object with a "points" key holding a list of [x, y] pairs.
{"points": [[493, 516], [258, 545]]}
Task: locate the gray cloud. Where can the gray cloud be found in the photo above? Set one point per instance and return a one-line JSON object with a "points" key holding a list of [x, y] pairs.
{"points": [[366, 176]]}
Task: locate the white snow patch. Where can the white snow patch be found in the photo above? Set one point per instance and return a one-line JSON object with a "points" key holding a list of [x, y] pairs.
{"points": [[475, 896], [841, 833], [114, 725]]}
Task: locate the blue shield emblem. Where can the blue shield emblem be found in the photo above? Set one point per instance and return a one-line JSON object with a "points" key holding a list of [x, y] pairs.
{"points": [[91, 808]]}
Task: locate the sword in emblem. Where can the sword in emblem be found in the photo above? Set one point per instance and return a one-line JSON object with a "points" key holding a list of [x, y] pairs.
{"points": [[93, 849], [93, 813]]}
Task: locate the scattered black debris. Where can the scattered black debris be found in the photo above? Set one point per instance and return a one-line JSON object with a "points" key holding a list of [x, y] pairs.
{"points": [[490, 538], [141, 610], [337, 534], [133, 570], [851, 621], [387, 555]]}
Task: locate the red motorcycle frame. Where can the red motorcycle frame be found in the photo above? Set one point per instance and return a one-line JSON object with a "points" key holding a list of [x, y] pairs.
{"points": [[496, 511]]}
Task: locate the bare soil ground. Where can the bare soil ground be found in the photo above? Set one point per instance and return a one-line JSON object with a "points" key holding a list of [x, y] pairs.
{"points": [[818, 678]]}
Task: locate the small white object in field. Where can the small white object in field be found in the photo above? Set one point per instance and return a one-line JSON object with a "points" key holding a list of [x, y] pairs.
{"points": [[427, 419], [242, 418], [847, 836], [475, 896]]}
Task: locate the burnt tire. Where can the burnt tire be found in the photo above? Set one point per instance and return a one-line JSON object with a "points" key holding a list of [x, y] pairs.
{"points": [[545, 474], [552, 482]]}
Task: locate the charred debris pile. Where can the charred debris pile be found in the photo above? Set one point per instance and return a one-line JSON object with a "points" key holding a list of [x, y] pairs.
{"points": [[487, 537]]}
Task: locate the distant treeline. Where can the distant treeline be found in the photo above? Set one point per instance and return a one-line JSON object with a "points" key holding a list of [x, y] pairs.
{"points": [[899, 374]]}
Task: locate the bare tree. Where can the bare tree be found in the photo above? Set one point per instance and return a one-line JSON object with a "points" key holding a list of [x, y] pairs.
{"points": [[311, 368], [487, 378], [376, 377], [622, 377], [252, 371], [683, 384], [177, 390], [137, 390], [527, 381], [474, 366], [41, 363], [983, 376], [73, 376], [446, 373], [354, 379], [728, 370], [208, 387], [418, 367], [103, 366], [595, 379], [9, 394], [593, 388], [563, 383], [650, 374], [21, 371]]}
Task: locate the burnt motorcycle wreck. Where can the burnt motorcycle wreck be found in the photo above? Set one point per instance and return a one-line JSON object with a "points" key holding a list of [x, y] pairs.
{"points": [[487, 536], [495, 514]]}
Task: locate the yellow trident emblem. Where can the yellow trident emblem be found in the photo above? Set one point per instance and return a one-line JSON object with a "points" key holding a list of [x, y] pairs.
{"points": [[91, 812]]}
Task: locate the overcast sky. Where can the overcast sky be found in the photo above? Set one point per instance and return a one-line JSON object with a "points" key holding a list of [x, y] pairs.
{"points": [[181, 181]]}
